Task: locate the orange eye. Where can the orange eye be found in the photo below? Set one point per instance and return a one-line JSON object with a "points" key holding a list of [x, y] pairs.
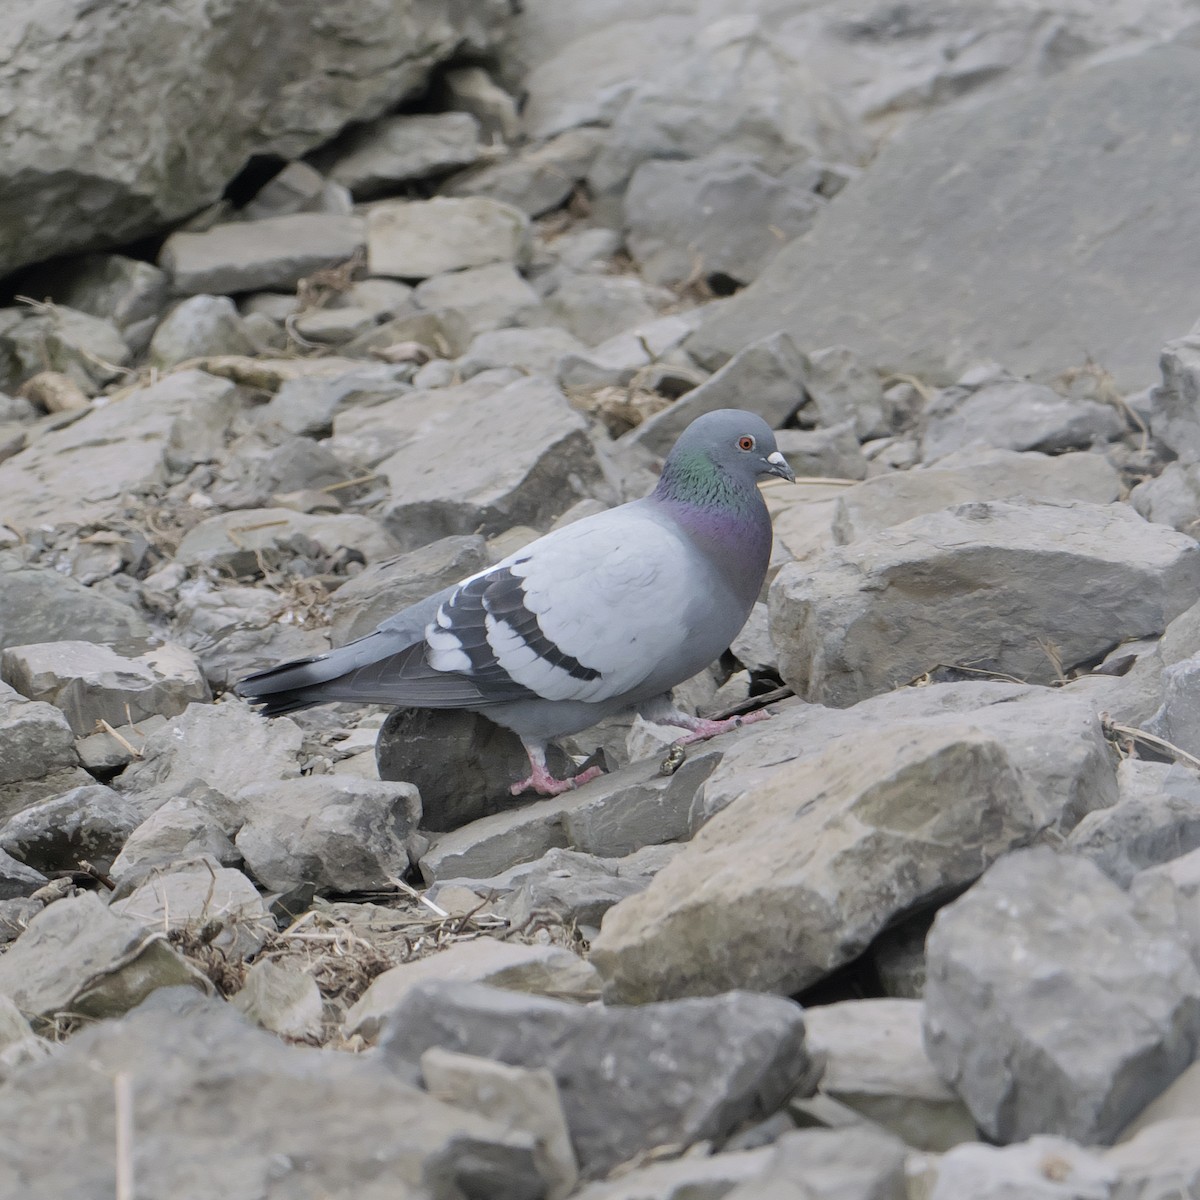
{"points": [[745, 442]]}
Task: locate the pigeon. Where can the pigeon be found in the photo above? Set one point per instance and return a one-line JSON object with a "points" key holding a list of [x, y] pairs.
{"points": [[606, 614]]}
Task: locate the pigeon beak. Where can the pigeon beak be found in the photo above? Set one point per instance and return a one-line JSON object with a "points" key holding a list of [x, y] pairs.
{"points": [[778, 465]]}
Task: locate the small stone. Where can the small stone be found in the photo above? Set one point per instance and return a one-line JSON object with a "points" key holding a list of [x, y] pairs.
{"points": [[1015, 414], [1043, 1168], [202, 325], [92, 683], [249, 256], [832, 453], [282, 1000], [339, 833], [536, 178], [376, 157], [518, 1097], [182, 828], [876, 1064], [512, 966], [766, 377], [490, 297], [78, 957], [419, 238], [195, 895], [85, 824]]}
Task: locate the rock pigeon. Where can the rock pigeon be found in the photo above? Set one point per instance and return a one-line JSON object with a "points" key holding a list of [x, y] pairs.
{"points": [[605, 614]]}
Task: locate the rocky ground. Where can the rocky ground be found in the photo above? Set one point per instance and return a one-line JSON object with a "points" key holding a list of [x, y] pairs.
{"points": [[931, 932]]}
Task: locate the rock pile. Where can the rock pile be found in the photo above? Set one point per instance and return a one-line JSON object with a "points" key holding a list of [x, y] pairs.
{"points": [[346, 304]]}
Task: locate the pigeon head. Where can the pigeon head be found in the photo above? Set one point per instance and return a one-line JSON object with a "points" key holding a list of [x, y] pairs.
{"points": [[722, 452]]}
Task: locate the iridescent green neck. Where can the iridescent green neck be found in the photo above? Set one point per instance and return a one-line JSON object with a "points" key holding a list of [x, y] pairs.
{"points": [[691, 478]]}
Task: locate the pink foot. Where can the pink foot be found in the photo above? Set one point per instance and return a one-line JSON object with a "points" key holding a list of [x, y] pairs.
{"points": [[700, 729], [545, 784]]}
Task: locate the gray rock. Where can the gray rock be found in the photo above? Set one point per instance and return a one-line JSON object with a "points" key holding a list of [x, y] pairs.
{"points": [[1073, 188], [1074, 777], [333, 326], [833, 453], [613, 1065], [281, 999], [489, 297], [374, 158], [384, 588], [1156, 819], [695, 1177], [860, 1163], [1013, 414], [537, 178], [735, 87], [235, 541], [647, 352], [181, 828], [752, 647], [610, 817], [18, 879], [199, 327], [89, 823], [533, 351], [438, 490], [843, 388], [86, 472], [1177, 719], [568, 886], [1160, 1162], [458, 760], [236, 630], [232, 1111], [1173, 403], [247, 256], [123, 290], [715, 216], [419, 238], [264, 471], [993, 585], [87, 350], [36, 737], [1173, 498], [309, 406], [85, 175], [1051, 1005], [596, 308], [195, 746], [471, 89], [518, 1097], [837, 837], [876, 1064], [513, 966], [78, 957], [297, 188], [1043, 1168], [899, 496], [195, 896], [336, 832], [92, 683], [766, 377]]}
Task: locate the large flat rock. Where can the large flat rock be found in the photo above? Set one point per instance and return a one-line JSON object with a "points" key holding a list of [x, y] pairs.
{"points": [[953, 247]]}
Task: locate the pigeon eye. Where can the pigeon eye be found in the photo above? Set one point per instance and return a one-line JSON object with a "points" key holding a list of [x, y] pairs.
{"points": [[746, 442]]}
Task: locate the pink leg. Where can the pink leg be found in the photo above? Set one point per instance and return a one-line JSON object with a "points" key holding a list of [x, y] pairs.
{"points": [[545, 784], [700, 729]]}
